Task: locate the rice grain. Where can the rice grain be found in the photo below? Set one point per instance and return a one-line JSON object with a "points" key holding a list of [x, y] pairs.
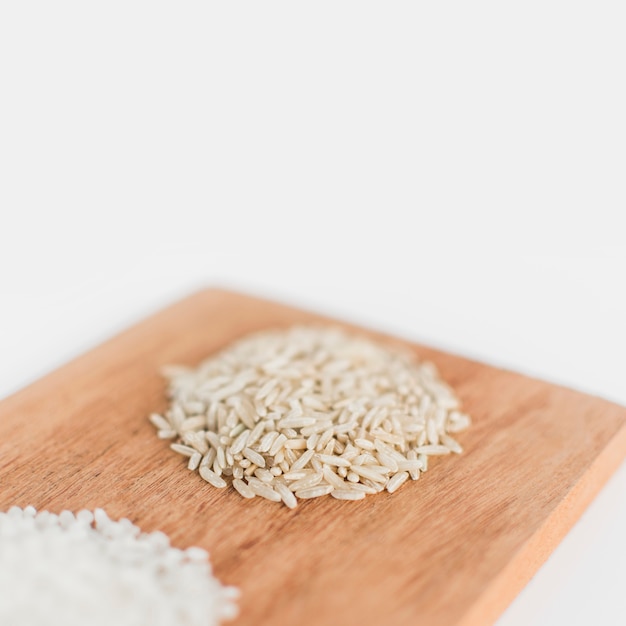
{"points": [[308, 411], [84, 568]]}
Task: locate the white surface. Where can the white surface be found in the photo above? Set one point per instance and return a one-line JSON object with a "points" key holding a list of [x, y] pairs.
{"points": [[453, 174]]}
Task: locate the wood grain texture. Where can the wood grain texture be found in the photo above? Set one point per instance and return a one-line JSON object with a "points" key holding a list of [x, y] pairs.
{"points": [[450, 549]]}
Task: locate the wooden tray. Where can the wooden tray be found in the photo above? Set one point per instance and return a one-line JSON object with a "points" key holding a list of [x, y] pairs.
{"points": [[451, 549]]}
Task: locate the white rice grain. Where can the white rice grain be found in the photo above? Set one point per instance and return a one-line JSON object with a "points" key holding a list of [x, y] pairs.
{"points": [[160, 422], [243, 488], [194, 461], [84, 568], [240, 442], [303, 461], [332, 479], [314, 492], [451, 444], [396, 481], [254, 457], [347, 494], [432, 450], [369, 472], [182, 449], [265, 491], [286, 494], [330, 459], [211, 477], [306, 482]]}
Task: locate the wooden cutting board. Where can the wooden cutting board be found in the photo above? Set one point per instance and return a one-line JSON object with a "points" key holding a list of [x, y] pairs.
{"points": [[451, 549]]}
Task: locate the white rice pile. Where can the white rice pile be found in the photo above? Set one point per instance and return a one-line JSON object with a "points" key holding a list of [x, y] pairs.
{"points": [[86, 569], [310, 411]]}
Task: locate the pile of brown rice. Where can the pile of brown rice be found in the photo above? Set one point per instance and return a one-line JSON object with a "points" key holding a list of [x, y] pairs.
{"points": [[310, 411]]}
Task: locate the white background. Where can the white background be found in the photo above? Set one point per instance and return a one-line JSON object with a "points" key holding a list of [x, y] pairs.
{"points": [[454, 174]]}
